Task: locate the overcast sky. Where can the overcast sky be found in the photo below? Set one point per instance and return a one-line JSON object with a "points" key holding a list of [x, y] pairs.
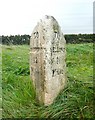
{"points": [[21, 16]]}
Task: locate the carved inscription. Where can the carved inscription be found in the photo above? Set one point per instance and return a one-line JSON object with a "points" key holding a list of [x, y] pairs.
{"points": [[57, 72], [58, 49], [47, 60], [55, 51], [36, 35]]}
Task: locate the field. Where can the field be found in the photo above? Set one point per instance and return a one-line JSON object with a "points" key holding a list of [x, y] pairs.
{"points": [[75, 101]]}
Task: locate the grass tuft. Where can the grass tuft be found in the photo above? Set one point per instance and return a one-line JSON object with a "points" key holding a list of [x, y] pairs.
{"points": [[75, 101]]}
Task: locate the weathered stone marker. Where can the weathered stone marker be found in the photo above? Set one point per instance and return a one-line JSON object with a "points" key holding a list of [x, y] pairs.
{"points": [[47, 60]]}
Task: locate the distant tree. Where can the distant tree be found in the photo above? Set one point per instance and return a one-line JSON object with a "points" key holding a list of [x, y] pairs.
{"points": [[25, 39]]}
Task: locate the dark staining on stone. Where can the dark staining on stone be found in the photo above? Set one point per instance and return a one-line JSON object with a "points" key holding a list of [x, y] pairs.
{"points": [[37, 48], [55, 32], [57, 60], [44, 62], [44, 37], [61, 72], [52, 60], [56, 35], [36, 35], [57, 72], [36, 60], [32, 69], [53, 18], [51, 54], [53, 73], [53, 49], [62, 49], [45, 30], [58, 49], [47, 16], [44, 67]]}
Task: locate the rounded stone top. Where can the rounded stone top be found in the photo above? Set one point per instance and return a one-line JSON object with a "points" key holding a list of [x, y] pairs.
{"points": [[50, 21], [48, 17]]}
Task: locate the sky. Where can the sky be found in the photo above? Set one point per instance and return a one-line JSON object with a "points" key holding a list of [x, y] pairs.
{"points": [[21, 16]]}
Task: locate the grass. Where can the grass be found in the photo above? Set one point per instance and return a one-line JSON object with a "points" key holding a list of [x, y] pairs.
{"points": [[75, 101]]}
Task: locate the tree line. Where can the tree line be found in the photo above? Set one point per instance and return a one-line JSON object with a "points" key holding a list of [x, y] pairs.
{"points": [[25, 39]]}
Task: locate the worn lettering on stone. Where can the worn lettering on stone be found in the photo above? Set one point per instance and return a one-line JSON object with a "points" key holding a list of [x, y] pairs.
{"points": [[47, 60]]}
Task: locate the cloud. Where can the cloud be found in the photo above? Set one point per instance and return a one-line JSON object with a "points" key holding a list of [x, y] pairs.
{"points": [[21, 16]]}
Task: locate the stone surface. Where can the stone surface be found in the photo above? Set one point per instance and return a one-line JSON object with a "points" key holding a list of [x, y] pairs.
{"points": [[47, 60]]}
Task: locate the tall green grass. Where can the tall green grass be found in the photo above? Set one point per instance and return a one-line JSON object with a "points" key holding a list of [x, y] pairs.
{"points": [[75, 101]]}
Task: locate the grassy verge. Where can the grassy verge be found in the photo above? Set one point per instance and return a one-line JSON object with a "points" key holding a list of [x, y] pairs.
{"points": [[76, 101]]}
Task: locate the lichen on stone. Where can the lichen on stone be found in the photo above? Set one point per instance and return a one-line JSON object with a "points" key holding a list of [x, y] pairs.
{"points": [[55, 28]]}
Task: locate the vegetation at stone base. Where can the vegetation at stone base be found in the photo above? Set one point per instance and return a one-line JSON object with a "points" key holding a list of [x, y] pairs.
{"points": [[25, 39], [75, 101]]}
